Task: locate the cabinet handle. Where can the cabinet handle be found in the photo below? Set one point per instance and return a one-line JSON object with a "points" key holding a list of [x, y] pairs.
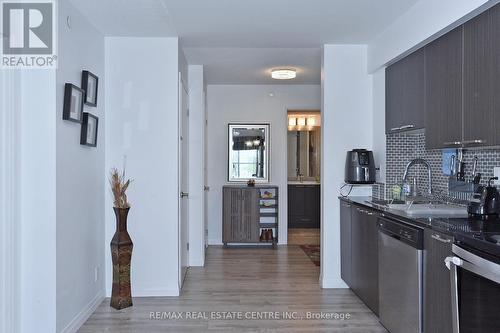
{"points": [[402, 128], [474, 141], [407, 127], [454, 143], [440, 239]]}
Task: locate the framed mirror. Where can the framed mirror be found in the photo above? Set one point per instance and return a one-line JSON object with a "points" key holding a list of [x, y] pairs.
{"points": [[248, 152]]}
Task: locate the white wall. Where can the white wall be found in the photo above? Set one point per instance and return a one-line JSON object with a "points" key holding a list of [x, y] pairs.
{"points": [[379, 144], [141, 124], [347, 123], [37, 233], [426, 20], [196, 166], [80, 178], [251, 103]]}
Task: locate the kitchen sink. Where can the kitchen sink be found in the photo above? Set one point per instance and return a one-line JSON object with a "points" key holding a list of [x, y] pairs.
{"points": [[426, 209]]}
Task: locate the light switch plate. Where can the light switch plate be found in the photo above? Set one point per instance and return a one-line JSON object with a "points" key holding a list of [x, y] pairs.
{"points": [[496, 173]]}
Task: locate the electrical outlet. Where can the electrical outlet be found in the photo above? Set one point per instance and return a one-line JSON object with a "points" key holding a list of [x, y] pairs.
{"points": [[496, 173], [96, 274]]}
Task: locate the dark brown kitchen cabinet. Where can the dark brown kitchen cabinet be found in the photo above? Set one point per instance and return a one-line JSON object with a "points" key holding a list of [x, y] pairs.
{"points": [[345, 242], [304, 206], [405, 94], [437, 287], [443, 90], [482, 79], [364, 256]]}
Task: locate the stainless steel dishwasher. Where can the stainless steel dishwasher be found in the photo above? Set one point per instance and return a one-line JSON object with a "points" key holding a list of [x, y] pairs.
{"points": [[400, 276]]}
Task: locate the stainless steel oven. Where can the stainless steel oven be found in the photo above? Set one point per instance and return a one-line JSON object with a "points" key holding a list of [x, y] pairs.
{"points": [[475, 287]]}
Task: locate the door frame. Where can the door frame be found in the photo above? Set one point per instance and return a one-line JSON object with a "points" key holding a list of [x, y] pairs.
{"points": [[181, 88]]}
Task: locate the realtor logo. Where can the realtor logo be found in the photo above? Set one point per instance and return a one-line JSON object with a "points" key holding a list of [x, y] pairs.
{"points": [[29, 34]]}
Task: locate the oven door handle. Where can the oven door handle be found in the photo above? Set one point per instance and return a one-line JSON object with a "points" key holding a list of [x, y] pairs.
{"points": [[453, 260], [452, 263]]}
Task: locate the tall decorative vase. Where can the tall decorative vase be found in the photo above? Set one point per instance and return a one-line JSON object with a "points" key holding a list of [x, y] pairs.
{"points": [[121, 254]]}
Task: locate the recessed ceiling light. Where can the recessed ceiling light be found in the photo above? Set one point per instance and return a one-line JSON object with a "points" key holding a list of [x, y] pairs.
{"points": [[283, 74]]}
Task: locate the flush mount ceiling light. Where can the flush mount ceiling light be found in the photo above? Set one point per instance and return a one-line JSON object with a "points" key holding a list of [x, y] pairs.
{"points": [[283, 74]]}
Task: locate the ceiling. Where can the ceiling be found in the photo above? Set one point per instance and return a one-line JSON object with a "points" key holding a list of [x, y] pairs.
{"points": [[240, 41]]}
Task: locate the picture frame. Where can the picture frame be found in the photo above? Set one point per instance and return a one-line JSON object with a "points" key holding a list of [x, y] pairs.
{"points": [[73, 103], [90, 126], [90, 83]]}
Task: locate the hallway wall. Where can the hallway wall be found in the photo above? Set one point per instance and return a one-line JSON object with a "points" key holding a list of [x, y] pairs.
{"points": [[252, 104], [80, 179], [142, 134]]}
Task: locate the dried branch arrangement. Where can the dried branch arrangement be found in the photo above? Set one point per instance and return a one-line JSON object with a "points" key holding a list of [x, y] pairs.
{"points": [[119, 187]]}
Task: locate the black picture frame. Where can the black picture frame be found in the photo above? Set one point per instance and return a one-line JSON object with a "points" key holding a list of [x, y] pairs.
{"points": [[73, 103], [90, 125], [90, 84]]}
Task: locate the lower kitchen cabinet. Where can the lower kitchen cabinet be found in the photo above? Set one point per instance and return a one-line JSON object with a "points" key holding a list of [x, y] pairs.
{"points": [[304, 206], [345, 242], [364, 256], [437, 286]]}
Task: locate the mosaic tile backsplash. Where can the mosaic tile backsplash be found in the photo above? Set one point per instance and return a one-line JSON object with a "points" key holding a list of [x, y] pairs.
{"points": [[403, 147]]}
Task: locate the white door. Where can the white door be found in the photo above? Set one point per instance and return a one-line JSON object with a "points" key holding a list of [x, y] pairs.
{"points": [[183, 180]]}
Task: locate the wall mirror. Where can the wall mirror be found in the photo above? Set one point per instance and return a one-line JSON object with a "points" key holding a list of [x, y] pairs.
{"points": [[248, 152]]}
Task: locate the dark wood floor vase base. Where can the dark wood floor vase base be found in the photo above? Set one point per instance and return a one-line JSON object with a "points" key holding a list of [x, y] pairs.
{"points": [[246, 280]]}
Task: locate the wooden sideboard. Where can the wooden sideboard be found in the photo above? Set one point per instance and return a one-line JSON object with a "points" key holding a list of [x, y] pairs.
{"points": [[247, 212]]}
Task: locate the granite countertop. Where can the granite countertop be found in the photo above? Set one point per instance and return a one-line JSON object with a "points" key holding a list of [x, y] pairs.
{"points": [[305, 182], [453, 226]]}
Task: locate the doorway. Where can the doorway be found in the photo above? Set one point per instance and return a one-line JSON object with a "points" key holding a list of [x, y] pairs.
{"points": [[304, 178]]}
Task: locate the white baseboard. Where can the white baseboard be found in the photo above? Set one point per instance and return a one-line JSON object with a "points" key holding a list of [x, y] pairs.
{"points": [[154, 292], [149, 292], [215, 242], [83, 315], [332, 283]]}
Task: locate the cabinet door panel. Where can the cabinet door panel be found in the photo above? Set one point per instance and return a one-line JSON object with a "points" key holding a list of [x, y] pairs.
{"points": [[482, 79], [364, 263], [405, 93], [437, 296], [345, 242], [443, 90], [250, 216], [232, 215]]}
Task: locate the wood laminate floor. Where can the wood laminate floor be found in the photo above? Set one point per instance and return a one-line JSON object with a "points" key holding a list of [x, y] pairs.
{"points": [[250, 282], [303, 236]]}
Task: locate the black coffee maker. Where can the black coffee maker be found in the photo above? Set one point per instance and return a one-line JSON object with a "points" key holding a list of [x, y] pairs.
{"points": [[485, 202]]}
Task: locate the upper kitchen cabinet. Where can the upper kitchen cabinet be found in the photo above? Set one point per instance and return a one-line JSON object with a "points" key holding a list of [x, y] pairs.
{"points": [[405, 94], [482, 79], [443, 90]]}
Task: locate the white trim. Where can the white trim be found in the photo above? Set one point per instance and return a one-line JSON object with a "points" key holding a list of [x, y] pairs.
{"points": [[332, 283], [9, 202], [83, 315], [154, 292]]}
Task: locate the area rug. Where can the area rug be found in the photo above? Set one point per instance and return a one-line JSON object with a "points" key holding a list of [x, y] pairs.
{"points": [[312, 251]]}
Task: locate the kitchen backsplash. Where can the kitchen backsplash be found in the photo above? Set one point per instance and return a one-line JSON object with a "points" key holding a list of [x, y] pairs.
{"points": [[403, 147]]}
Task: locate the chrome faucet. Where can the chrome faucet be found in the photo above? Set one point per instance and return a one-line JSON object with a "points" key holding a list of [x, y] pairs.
{"points": [[419, 161]]}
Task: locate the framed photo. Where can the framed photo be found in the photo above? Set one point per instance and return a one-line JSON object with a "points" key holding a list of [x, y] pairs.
{"points": [[89, 85], [89, 130], [73, 103]]}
